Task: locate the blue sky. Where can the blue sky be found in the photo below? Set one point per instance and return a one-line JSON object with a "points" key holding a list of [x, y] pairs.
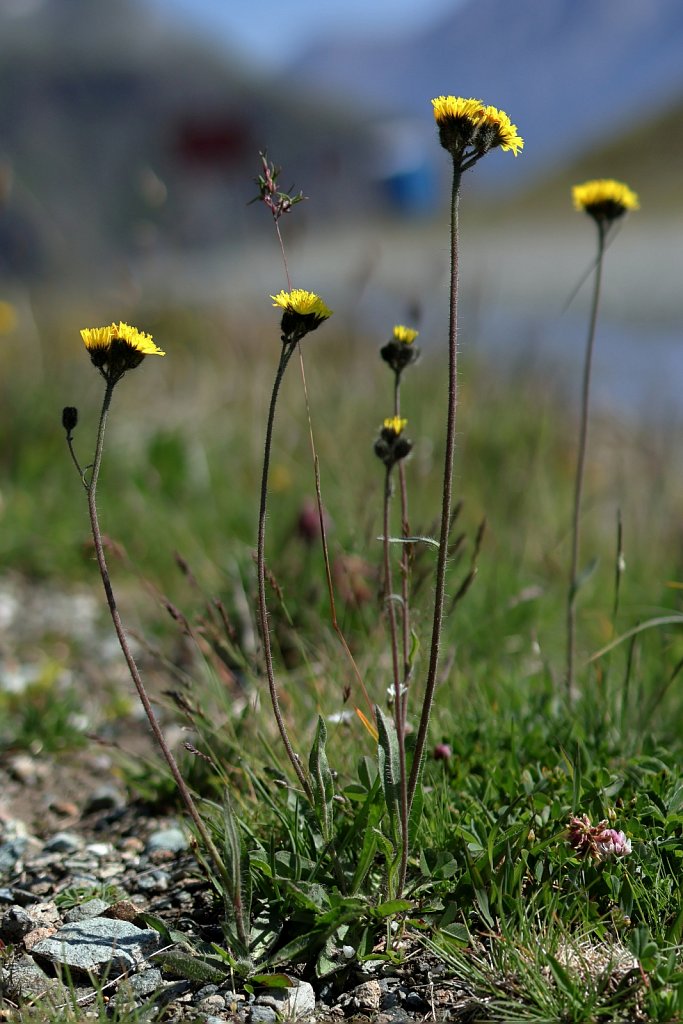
{"points": [[270, 32]]}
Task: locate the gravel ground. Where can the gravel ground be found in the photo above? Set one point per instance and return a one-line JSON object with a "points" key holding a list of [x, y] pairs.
{"points": [[81, 861]]}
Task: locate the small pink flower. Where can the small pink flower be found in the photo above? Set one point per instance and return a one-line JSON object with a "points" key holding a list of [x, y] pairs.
{"points": [[442, 752], [612, 843], [599, 842]]}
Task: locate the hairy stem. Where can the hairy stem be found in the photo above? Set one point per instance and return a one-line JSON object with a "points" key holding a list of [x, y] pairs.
{"points": [[440, 583], [397, 680], [405, 564], [580, 469], [325, 547], [91, 488], [285, 356]]}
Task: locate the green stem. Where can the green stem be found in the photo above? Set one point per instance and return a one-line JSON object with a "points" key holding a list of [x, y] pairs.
{"points": [[580, 468], [286, 354], [405, 564], [130, 660], [440, 583], [398, 696]]}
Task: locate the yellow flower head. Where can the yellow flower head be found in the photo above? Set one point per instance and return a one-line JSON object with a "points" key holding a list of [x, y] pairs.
{"points": [[395, 424], [503, 131], [302, 312], [118, 348], [400, 351], [392, 445], [455, 108], [468, 129], [406, 335], [604, 199]]}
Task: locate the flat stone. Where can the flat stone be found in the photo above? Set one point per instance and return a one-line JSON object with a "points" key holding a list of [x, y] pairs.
{"points": [[99, 945], [84, 911], [289, 1003]]}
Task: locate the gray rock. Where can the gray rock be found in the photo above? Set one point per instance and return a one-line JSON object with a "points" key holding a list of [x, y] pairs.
{"points": [[414, 1001], [141, 985], [366, 997], [10, 854], [289, 1003], [15, 923], [63, 842], [170, 839], [205, 992], [389, 996], [84, 911], [23, 979], [45, 914], [262, 1014], [154, 881], [101, 945], [212, 1004]]}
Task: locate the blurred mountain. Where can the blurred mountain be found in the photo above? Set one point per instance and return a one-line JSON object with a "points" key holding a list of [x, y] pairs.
{"points": [[570, 73], [121, 136]]}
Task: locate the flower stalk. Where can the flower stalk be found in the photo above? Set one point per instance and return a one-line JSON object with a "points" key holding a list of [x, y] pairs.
{"points": [[302, 312], [447, 493], [605, 201], [468, 130], [115, 350]]}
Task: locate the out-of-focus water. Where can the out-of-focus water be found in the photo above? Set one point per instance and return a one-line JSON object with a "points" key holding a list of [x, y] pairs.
{"points": [[515, 286]]}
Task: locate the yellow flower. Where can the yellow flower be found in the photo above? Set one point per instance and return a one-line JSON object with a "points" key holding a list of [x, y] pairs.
{"points": [[395, 424], [468, 129], [604, 199], [405, 334], [448, 108], [504, 131], [118, 348], [302, 312], [302, 302]]}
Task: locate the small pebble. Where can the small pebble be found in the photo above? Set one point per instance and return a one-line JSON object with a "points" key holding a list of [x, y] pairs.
{"points": [[63, 842], [104, 798], [14, 924], [171, 839], [154, 881], [100, 849]]}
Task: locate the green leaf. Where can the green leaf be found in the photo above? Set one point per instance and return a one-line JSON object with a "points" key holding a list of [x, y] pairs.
{"points": [[188, 967], [322, 782], [271, 980], [561, 975], [389, 770], [239, 875], [391, 907]]}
